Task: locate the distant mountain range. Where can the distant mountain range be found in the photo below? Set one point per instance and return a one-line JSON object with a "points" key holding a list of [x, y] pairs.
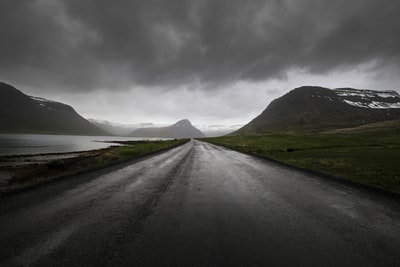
{"points": [[119, 129], [218, 130], [181, 129], [20, 113], [311, 108]]}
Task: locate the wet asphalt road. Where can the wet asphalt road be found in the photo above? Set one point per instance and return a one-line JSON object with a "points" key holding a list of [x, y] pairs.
{"points": [[199, 205]]}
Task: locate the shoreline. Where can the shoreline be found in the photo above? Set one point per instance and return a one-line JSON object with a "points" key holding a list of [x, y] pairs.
{"points": [[18, 172]]}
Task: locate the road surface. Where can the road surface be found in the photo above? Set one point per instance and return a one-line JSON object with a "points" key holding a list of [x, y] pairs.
{"points": [[199, 205]]}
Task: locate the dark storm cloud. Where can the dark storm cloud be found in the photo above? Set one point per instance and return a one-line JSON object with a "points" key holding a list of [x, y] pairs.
{"points": [[90, 44]]}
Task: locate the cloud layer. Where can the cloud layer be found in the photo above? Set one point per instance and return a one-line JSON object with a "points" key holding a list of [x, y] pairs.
{"points": [[98, 44]]}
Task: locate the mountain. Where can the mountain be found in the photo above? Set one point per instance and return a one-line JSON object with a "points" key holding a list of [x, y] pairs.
{"points": [[181, 129], [20, 113], [312, 108]]}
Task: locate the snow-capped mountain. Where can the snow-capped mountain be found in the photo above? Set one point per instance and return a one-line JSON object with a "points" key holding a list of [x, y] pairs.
{"points": [[312, 108]]}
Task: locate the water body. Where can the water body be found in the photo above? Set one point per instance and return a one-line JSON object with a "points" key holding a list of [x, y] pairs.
{"points": [[31, 144]]}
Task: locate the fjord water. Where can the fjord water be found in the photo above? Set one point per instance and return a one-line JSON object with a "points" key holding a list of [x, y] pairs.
{"points": [[27, 144]]}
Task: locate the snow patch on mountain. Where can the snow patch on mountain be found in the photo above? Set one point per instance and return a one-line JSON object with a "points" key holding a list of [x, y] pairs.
{"points": [[373, 104], [43, 102], [366, 93], [369, 98]]}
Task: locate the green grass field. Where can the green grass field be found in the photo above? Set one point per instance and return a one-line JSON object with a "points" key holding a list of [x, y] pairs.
{"points": [[371, 158]]}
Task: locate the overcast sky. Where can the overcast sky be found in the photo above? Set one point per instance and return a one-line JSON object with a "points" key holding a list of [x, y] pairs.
{"points": [[212, 62]]}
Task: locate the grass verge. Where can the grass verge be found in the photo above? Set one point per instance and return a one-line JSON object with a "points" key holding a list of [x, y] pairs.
{"points": [[370, 158], [31, 175]]}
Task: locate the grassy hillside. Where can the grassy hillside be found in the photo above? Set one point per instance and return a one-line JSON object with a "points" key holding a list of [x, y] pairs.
{"points": [[369, 157]]}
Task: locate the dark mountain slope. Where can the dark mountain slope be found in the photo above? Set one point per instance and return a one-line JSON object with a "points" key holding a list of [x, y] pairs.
{"points": [[181, 129], [20, 113], [312, 108]]}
